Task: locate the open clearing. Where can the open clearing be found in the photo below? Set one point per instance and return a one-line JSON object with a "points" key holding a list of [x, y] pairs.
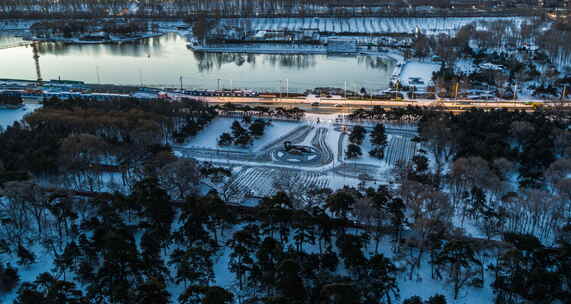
{"points": [[208, 138], [415, 73], [260, 168]]}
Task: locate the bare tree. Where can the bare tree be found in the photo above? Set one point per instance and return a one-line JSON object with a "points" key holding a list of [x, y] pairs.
{"points": [[558, 170], [469, 173], [81, 158], [26, 205], [180, 178], [439, 140], [431, 214]]}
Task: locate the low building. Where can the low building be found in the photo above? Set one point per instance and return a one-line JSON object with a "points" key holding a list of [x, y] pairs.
{"points": [[260, 35], [341, 45]]}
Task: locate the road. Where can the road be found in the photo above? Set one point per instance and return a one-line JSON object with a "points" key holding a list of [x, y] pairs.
{"points": [[450, 105]]}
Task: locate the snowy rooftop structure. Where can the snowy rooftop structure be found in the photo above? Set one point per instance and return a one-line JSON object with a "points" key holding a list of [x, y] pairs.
{"points": [[491, 66], [260, 34]]}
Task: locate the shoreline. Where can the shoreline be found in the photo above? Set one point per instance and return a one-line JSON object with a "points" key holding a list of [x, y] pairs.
{"points": [[388, 54], [77, 41]]}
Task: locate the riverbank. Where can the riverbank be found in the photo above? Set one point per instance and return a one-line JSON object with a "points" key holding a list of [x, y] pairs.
{"points": [[287, 49], [261, 49], [112, 39]]}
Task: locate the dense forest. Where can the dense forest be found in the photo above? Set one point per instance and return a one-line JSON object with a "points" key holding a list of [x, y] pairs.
{"points": [[78, 137], [174, 237]]}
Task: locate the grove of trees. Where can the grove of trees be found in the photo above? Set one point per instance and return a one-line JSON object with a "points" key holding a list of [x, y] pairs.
{"points": [[484, 204]]}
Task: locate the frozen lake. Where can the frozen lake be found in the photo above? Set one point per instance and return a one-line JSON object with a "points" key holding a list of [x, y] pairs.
{"points": [[162, 61]]}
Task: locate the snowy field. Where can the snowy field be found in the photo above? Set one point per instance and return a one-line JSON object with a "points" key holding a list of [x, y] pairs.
{"points": [[208, 138], [419, 70], [368, 25], [8, 117]]}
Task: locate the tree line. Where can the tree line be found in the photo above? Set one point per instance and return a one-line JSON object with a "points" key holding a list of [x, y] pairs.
{"points": [[183, 8], [81, 139]]}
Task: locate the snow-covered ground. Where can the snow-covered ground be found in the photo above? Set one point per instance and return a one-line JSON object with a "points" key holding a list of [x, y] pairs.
{"points": [[8, 117], [44, 263], [394, 142], [208, 138], [365, 158], [416, 70], [465, 66]]}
